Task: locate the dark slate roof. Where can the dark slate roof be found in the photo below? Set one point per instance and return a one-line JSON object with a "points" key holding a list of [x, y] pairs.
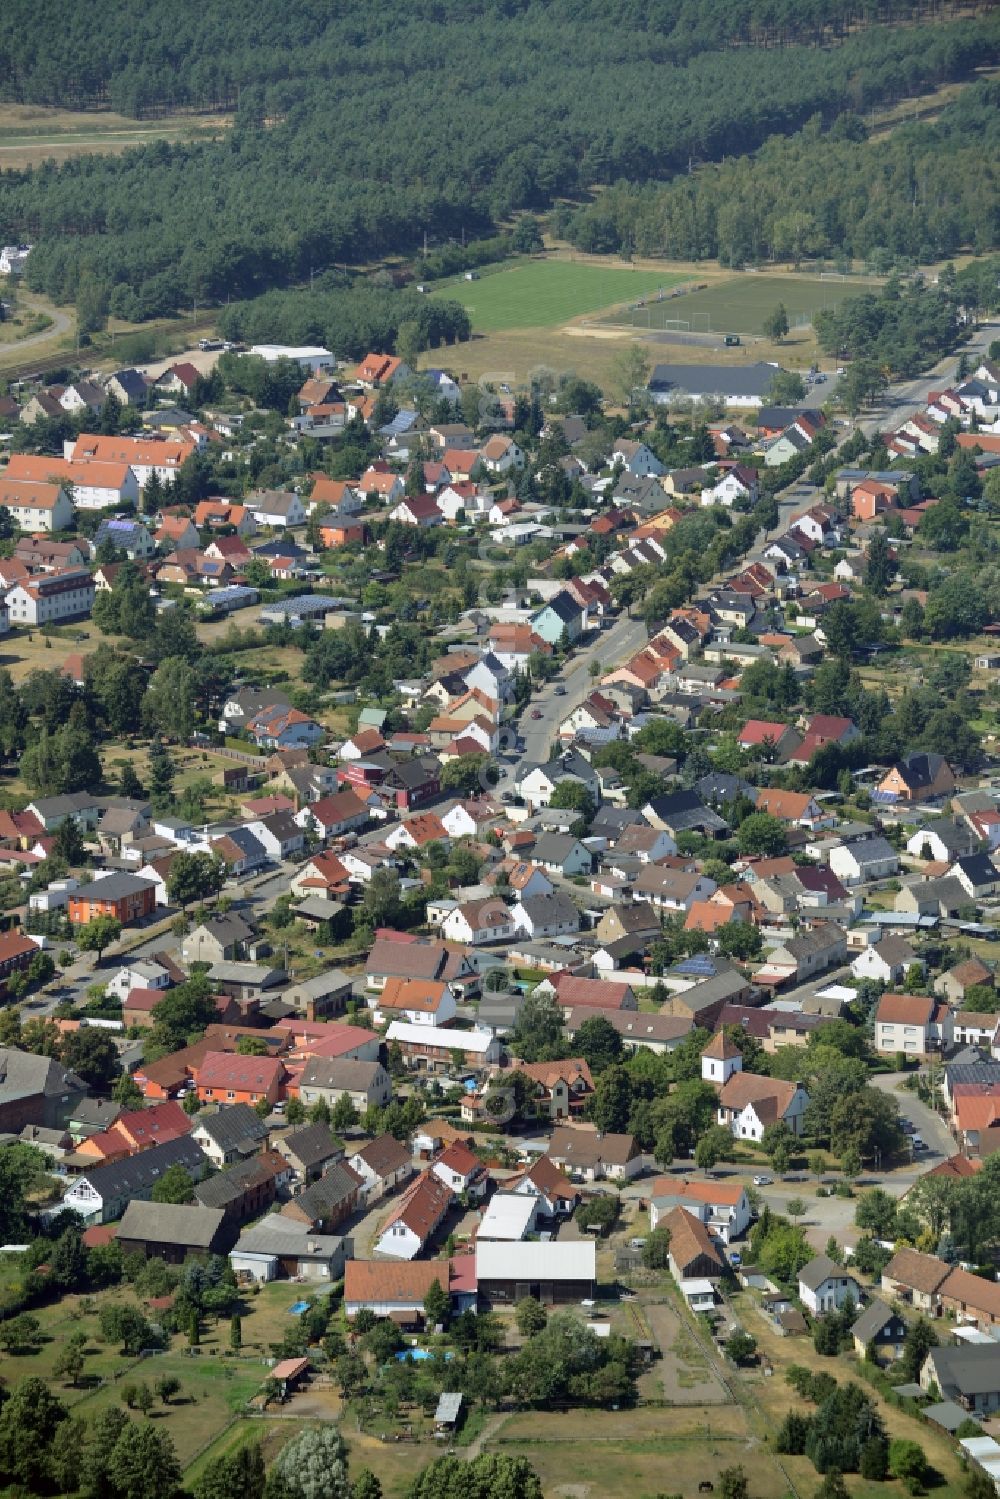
{"points": [[701, 379], [872, 1321], [24, 1075], [138, 1172], [232, 1127], [334, 1187], [230, 1185], [114, 887], [312, 1144], [681, 810]]}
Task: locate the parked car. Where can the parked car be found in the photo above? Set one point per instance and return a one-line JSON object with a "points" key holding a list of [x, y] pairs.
{"points": [[560, 691], [763, 1181], [536, 713]]}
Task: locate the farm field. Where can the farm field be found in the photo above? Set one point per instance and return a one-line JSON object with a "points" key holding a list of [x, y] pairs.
{"points": [[545, 293], [739, 304], [31, 134]]}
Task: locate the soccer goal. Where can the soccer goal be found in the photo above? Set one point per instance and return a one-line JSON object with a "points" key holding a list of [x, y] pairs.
{"points": [[676, 325], [832, 276]]}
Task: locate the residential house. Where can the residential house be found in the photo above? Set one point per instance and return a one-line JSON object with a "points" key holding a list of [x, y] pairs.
{"points": [[227, 1077], [546, 915], [36, 506], [912, 1025], [102, 1193], [554, 1193], [382, 1164], [953, 984], [244, 1190], [217, 939], [561, 617], [126, 897], [825, 1286], [916, 1278], [723, 1208], [416, 1216], [561, 853], [461, 1170], [478, 921], [51, 598], [880, 1331], [365, 1083], [229, 1135], [418, 1001], [279, 1246], [971, 1299], [397, 1291], [864, 859], [330, 1199], [309, 1150], [920, 776], [809, 952], [968, 1374], [36, 1090], [591, 1156], [562, 1088], [886, 961], [749, 1103]]}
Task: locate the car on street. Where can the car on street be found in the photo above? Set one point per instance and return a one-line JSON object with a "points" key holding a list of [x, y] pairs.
{"points": [[560, 691], [536, 713], [763, 1181], [917, 1143]]}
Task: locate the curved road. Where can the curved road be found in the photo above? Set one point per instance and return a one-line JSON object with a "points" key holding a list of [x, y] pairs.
{"points": [[62, 322]]}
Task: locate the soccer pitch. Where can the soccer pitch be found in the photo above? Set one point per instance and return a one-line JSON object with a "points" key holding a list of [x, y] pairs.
{"points": [[547, 293], [741, 303]]}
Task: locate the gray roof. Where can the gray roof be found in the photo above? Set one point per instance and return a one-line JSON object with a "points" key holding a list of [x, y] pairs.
{"points": [[971, 1370], [448, 1407], [311, 1145], [334, 1187], [24, 1075], [555, 848], [114, 887], [286, 1236], [870, 850], [872, 1321], [946, 1413], [61, 806], [546, 909], [233, 1127], [331, 982], [171, 1223], [96, 1113], [713, 379], [230, 1185], [820, 1269], [138, 1172], [344, 1073]]}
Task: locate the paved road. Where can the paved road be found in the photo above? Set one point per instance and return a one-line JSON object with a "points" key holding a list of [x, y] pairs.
{"points": [[907, 395], [608, 648]]}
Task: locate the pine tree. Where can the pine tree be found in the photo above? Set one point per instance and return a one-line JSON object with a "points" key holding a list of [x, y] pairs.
{"points": [[161, 774], [152, 494]]}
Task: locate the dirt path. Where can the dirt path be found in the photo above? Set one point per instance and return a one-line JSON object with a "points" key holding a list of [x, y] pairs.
{"points": [[489, 1431]]}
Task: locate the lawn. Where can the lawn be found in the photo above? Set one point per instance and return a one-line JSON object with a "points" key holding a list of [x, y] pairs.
{"points": [[546, 293], [741, 303]]}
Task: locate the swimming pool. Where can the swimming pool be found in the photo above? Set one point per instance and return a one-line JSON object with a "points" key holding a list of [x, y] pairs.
{"points": [[418, 1355], [298, 1309]]}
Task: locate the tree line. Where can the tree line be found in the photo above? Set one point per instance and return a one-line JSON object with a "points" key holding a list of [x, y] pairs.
{"points": [[921, 193], [338, 154]]}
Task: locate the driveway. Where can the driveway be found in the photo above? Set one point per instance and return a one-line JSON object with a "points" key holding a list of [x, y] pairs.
{"points": [[929, 1126]]}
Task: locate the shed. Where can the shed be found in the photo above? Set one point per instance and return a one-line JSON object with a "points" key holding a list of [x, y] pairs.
{"points": [[946, 1414], [289, 1373], [699, 1294], [449, 1408]]}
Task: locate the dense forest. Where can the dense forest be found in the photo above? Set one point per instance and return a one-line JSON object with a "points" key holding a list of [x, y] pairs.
{"points": [[356, 133], [923, 192]]}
